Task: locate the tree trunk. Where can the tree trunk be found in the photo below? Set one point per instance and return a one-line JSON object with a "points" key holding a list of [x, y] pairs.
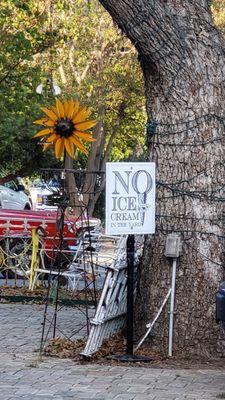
{"points": [[98, 157], [93, 165], [182, 57], [76, 206]]}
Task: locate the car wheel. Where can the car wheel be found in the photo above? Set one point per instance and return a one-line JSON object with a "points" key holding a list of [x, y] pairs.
{"points": [[5, 272], [19, 254], [2, 259]]}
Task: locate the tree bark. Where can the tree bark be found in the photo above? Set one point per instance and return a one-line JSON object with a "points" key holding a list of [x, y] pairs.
{"points": [[182, 58], [98, 157], [76, 206]]}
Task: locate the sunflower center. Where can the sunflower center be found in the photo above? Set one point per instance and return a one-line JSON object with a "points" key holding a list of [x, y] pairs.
{"points": [[64, 127]]}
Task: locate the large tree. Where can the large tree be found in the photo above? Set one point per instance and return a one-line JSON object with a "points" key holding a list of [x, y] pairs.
{"points": [[182, 58]]}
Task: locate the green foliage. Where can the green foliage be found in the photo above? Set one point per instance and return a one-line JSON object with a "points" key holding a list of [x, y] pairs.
{"points": [[100, 66], [218, 10], [22, 38], [88, 57]]}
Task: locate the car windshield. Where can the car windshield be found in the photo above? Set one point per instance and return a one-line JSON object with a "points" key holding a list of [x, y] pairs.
{"points": [[38, 184], [51, 184], [10, 185]]}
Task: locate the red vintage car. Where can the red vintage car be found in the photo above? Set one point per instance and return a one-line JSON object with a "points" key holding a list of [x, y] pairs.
{"points": [[16, 231]]}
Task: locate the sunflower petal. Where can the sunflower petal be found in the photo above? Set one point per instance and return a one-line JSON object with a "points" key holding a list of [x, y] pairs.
{"points": [[54, 109], [86, 136], [70, 108], [60, 109], [83, 126], [44, 132], [78, 144], [49, 113], [76, 107], [69, 146], [46, 146], [49, 122], [59, 147], [40, 121], [73, 107], [52, 138], [81, 115], [66, 107], [44, 121]]}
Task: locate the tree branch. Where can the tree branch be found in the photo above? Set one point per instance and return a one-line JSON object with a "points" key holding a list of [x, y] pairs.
{"points": [[152, 27]]}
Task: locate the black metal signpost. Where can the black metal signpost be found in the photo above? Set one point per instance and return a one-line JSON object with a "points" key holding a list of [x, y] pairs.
{"points": [[130, 294], [130, 207], [129, 356]]}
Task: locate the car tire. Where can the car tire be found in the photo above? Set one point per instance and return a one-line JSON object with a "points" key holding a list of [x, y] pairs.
{"points": [[5, 272], [19, 264]]}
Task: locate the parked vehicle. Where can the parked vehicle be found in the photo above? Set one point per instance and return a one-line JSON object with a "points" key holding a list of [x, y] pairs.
{"points": [[16, 237], [13, 197], [220, 305], [40, 192]]}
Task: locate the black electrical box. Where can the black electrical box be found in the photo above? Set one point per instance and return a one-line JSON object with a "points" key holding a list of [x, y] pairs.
{"points": [[220, 304]]}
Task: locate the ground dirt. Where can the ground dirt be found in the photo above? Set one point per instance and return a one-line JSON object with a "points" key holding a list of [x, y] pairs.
{"points": [[116, 348]]}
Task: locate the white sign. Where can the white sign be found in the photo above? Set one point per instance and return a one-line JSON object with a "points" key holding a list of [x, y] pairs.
{"points": [[130, 198]]}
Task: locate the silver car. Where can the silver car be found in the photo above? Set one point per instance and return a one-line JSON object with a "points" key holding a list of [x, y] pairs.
{"points": [[12, 196]]}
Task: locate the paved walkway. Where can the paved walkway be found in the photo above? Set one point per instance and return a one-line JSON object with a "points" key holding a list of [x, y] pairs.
{"points": [[23, 378]]}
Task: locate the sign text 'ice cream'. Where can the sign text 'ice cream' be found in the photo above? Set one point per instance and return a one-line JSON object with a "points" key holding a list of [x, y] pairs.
{"points": [[130, 198]]}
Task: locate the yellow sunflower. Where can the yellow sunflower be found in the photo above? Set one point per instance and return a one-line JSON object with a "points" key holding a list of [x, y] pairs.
{"points": [[65, 126]]}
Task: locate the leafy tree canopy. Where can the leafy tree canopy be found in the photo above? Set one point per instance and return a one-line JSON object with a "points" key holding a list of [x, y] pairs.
{"points": [[23, 35], [78, 44]]}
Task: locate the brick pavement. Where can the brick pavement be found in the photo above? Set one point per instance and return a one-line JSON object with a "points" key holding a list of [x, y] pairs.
{"points": [[23, 377]]}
